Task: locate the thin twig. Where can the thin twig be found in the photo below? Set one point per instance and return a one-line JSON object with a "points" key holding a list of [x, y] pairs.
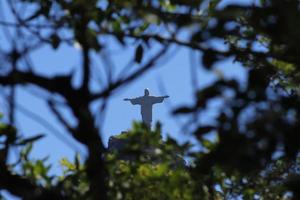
{"points": [[47, 125], [60, 117], [138, 73]]}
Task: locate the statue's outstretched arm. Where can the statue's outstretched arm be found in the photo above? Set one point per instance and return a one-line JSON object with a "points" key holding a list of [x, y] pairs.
{"points": [[159, 99], [134, 101]]}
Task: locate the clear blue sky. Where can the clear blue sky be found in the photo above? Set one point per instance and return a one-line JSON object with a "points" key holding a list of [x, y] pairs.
{"points": [[175, 75]]}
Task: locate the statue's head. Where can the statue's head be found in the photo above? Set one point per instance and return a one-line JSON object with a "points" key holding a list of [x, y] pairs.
{"points": [[146, 92]]}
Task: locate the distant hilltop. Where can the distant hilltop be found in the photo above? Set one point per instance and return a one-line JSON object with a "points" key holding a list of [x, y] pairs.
{"points": [[131, 147]]}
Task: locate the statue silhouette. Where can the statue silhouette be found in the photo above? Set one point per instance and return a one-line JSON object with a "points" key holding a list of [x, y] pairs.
{"points": [[146, 102]]}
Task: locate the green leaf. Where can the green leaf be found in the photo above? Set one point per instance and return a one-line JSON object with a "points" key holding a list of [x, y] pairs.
{"points": [[203, 130], [183, 110], [209, 58], [208, 144], [77, 161], [139, 53], [55, 41], [66, 163], [26, 151]]}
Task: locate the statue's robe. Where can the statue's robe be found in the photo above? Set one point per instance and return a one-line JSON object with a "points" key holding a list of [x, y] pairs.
{"points": [[146, 103]]}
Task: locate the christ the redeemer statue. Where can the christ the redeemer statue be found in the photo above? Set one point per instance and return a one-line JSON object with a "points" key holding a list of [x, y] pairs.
{"points": [[146, 102]]}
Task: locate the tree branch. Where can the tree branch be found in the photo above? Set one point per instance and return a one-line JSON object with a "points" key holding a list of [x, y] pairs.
{"points": [[60, 117], [50, 84], [156, 37], [121, 82], [24, 188]]}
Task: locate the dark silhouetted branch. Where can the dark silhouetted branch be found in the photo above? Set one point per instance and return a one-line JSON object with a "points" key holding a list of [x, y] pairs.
{"points": [[138, 73], [24, 188], [50, 84]]}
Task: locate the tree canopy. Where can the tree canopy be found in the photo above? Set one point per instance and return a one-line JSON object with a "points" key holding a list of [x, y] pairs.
{"points": [[254, 150]]}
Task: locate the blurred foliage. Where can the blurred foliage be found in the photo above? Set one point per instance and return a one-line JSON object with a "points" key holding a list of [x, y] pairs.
{"points": [[148, 167], [250, 150]]}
